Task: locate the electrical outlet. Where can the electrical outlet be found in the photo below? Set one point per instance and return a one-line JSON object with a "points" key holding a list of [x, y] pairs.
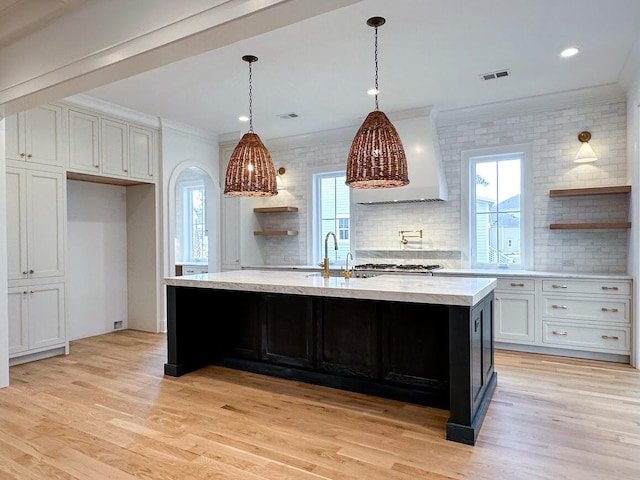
{"points": [[117, 325], [567, 263]]}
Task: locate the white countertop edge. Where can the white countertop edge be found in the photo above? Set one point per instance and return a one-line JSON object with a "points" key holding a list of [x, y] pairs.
{"points": [[454, 290], [506, 272]]}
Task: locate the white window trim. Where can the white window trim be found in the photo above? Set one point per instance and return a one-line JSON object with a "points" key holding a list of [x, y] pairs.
{"points": [[313, 245], [526, 197]]}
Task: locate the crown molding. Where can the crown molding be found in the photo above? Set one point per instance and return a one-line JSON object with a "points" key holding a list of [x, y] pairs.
{"points": [[112, 109], [188, 130], [539, 103]]}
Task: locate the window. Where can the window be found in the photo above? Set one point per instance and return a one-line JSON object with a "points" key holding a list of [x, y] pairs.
{"points": [[195, 243], [331, 213], [497, 208]]}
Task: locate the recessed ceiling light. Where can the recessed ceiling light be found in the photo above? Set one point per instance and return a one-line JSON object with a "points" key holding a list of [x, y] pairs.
{"points": [[569, 52], [243, 118]]}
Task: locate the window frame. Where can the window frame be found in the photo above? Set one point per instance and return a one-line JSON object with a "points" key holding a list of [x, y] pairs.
{"points": [[526, 208], [186, 191], [315, 243]]}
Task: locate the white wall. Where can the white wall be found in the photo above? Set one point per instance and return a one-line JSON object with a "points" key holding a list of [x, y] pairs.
{"points": [[4, 308], [96, 258], [633, 174], [182, 147], [550, 125]]}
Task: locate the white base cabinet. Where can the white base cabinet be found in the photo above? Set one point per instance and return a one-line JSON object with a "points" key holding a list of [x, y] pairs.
{"points": [[36, 318], [592, 315], [584, 317]]}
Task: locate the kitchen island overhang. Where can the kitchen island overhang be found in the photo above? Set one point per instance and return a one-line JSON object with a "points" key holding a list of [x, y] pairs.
{"points": [[425, 340]]}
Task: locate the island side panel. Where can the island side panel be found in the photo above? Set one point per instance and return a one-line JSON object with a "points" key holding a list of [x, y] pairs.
{"points": [[187, 332], [472, 375]]}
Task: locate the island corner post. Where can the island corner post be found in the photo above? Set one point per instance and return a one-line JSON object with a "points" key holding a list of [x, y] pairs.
{"points": [[311, 339]]}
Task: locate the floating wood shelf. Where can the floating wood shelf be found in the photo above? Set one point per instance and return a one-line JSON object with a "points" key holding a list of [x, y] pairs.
{"points": [[589, 226], [274, 233], [571, 192], [275, 209]]}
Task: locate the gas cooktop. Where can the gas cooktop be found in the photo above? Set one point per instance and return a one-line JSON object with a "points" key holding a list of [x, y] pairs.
{"points": [[392, 267]]}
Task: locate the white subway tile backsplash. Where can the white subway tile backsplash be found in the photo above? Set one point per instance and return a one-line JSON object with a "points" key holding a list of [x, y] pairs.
{"points": [[553, 138]]}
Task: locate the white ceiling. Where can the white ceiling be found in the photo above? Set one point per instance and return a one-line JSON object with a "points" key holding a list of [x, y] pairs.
{"points": [[431, 52]]}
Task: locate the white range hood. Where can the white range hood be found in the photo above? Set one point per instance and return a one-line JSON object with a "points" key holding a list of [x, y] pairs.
{"points": [[427, 182]]}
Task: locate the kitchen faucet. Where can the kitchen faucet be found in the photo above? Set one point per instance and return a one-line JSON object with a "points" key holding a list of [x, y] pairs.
{"points": [[347, 273], [325, 263]]}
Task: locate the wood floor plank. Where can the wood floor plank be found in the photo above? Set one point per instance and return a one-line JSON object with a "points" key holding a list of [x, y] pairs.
{"points": [[106, 411]]}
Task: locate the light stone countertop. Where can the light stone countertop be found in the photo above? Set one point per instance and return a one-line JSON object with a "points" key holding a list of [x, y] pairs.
{"points": [[452, 290], [506, 272], [468, 272]]}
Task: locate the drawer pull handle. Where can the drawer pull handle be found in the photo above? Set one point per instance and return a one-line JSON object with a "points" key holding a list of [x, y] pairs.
{"points": [[609, 288], [517, 284], [560, 286], [561, 307], [559, 332], [612, 310], [607, 337]]}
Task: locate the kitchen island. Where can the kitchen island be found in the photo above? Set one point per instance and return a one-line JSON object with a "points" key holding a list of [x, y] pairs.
{"points": [[419, 339]]}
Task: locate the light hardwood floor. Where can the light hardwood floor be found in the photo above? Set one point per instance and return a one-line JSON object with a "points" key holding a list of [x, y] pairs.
{"points": [[106, 411]]}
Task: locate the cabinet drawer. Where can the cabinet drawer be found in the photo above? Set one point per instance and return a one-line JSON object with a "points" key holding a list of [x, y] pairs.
{"points": [[516, 284], [601, 287], [586, 308], [615, 339], [194, 269]]}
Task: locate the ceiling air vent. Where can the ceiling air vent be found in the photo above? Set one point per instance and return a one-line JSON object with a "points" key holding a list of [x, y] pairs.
{"points": [[494, 75], [287, 116]]}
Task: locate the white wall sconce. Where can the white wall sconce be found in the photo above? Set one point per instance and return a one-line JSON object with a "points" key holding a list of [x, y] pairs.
{"points": [[279, 181], [586, 153]]}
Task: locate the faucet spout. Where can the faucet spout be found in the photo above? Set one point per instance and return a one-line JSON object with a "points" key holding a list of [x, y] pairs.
{"points": [[325, 263], [347, 271]]}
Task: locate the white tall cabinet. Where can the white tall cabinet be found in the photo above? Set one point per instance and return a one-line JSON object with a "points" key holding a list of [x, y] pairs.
{"points": [[46, 146], [230, 233], [36, 213], [35, 224]]}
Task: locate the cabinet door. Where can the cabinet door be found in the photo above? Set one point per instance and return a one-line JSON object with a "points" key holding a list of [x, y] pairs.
{"points": [[287, 330], [515, 317], [141, 152], [43, 135], [476, 355], [115, 148], [414, 342], [230, 233], [45, 224], [18, 327], [83, 142], [46, 315], [16, 224], [348, 338], [14, 137]]}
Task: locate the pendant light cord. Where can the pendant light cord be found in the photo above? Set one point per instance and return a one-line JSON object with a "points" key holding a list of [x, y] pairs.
{"points": [[376, 62], [250, 102]]}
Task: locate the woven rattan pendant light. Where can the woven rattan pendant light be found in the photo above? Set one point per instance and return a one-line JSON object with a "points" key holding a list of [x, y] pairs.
{"points": [[377, 158], [250, 172]]}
